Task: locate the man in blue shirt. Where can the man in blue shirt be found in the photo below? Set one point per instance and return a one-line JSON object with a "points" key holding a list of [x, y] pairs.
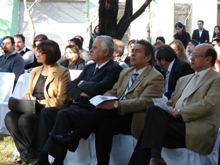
{"points": [[10, 61]]}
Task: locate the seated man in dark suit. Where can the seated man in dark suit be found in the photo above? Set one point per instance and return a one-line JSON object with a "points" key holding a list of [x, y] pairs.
{"points": [[135, 89], [167, 59], [200, 35], [192, 119], [95, 79]]}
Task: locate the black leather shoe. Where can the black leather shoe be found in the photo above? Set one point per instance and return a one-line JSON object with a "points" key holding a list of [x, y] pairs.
{"points": [[70, 140], [29, 157]]}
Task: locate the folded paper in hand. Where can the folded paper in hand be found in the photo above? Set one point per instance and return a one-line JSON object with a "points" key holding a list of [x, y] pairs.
{"points": [[161, 102], [100, 98]]}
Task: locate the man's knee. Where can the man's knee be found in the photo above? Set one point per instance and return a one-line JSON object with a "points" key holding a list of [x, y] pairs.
{"points": [[153, 111]]}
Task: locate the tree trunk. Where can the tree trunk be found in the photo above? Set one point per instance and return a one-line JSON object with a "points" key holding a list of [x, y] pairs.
{"points": [[108, 12]]}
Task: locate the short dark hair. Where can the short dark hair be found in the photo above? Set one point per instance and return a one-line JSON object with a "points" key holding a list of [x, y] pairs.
{"points": [[165, 52], [148, 49], [212, 53], [20, 36], [180, 25], [77, 42], [79, 37], [39, 37], [194, 42], [51, 49], [161, 38], [201, 21], [9, 37]]}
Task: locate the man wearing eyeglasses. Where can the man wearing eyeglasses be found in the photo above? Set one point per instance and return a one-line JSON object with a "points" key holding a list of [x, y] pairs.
{"points": [[10, 61], [192, 118]]}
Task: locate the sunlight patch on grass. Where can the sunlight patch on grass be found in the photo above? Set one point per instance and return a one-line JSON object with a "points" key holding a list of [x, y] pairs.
{"points": [[6, 150]]}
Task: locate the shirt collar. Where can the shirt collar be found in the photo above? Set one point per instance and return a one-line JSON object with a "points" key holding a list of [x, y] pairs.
{"points": [[9, 54], [140, 70], [100, 66], [202, 73]]}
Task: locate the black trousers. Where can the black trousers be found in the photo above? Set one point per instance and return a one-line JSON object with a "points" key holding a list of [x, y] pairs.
{"points": [[104, 134], [21, 127], [45, 124], [161, 129], [72, 118]]}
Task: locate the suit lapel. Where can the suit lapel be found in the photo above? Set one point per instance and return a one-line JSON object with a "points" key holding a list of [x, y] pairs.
{"points": [[125, 82], [208, 77], [140, 78], [185, 83], [50, 77]]}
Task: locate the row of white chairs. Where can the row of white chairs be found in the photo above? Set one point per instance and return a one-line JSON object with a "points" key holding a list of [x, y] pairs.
{"points": [[123, 145]]}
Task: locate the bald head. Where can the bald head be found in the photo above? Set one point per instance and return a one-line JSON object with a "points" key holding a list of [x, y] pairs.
{"points": [[203, 57]]}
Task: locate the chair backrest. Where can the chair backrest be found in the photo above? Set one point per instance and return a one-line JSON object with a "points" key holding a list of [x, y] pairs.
{"points": [[74, 73], [6, 85], [21, 85]]}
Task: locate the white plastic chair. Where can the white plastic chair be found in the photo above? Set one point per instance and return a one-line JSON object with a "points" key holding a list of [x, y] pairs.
{"points": [[74, 73], [183, 156], [6, 87], [21, 85]]}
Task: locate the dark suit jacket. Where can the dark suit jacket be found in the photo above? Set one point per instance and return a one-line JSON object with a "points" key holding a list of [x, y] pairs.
{"points": [[98, 83], [204, 37], [179, 69]]}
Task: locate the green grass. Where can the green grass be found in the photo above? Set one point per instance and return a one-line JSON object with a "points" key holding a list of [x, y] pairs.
{"points": [[6, 150]]}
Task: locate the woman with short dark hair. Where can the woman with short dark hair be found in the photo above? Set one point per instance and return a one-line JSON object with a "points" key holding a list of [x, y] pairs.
{"points": [[181, 34], [48, 86]]}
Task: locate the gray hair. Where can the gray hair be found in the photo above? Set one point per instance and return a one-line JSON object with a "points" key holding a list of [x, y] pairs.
{"points": [[106, 43]]}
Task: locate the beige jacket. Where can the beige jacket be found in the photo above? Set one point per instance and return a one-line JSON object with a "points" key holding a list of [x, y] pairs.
{"points": [[149, 85], [55, 88], [202, 111]]}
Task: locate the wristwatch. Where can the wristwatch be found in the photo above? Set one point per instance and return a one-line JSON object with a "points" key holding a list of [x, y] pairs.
{"points": [[116, 104]]}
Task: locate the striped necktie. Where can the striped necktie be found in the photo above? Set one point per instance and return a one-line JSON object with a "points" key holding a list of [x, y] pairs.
{"points": [[96, 70], [133, 78]]}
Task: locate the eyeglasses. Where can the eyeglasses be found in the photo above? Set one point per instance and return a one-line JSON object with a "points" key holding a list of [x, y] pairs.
{"points": [[198, 56], [6, 43]]}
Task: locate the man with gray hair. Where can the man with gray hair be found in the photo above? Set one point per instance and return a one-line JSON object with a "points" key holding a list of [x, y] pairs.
{"points": [[95, 79]]}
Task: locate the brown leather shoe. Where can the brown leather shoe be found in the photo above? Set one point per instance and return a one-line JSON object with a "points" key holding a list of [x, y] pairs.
{"points": [[154, 161]]}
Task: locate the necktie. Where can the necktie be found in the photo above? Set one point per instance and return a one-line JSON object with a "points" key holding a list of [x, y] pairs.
{"points": [[96, 70], [166, 81], [187, 91], [133, 78]]}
